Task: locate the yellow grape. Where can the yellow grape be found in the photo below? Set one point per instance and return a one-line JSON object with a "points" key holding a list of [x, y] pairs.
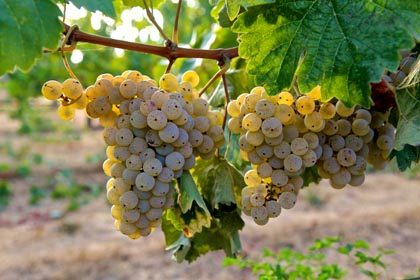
{"points": [[285, 97], [51, 90], [327, 110], [284, 113], [343, 110], [66, 112], [72, 88], [305, 105], [168, 82], [191, 77], [314, 121]]}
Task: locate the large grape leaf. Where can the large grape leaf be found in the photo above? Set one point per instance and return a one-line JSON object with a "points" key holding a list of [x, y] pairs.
{"points": [[341, 45], [408, 128], [234, 6], [26, 28], [105, 6], [406, 156]]}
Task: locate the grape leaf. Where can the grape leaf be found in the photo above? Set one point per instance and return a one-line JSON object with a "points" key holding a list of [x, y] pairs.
{"points": [[234, 6], [27, 27], [408, 128], [188, 194], [338, 44], [105, 6], [406, 156]]}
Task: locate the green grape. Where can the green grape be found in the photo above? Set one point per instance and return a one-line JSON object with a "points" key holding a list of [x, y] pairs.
{"points": [[172, 109], [264, 170], [299, 146], [127, 228], [271, 127], [133, 162], [290, 132], [117, 169], [147, 154], [305, 105], [309, 158], [286, 98], [250, 101], [137, 146], [200, 107], [257, 199], [72, 88], [385, 142], [207, 145], [279, 177], [168, 82], [147, 107], [157, 201], [235, 125], [128, 89], [251, 122], [191, 77], [153, 139], [201, 123], [336, 142], [124, 137], [196, 138], [130, 215], [282, 150], [364, 114], [129, 200], [285, 114], [357, 180], [327, 110], [327, 152], [330, 128], [354, 142], [166, 175], [174, 161], [144, 182], [169, 133], [156, 120], [273, 208], [346, 157], [252, 178], [342, 110], [260, 215], [264, 108], [314, 121], [66, 113], [341, 178], [233, 108], [160, 188], [264, 151], [154, 214], [129, 176], [287, 200], [51, 90], [102, 105], [152, 167], [331, 165], [254, 158], [255, 138], [274, 141], [360, 127], [293, 163]]}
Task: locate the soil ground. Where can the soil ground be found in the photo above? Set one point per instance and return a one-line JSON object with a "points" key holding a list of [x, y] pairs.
{"points": [[44, 242]]}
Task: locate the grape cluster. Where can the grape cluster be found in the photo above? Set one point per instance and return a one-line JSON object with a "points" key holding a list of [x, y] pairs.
{"points": [[405, 67], [153, 131], [281, 137]]}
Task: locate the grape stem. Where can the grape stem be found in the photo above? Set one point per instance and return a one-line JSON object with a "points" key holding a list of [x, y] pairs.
{"points": [[170, 51], [219, 73], [153, 21], [175, 32]]}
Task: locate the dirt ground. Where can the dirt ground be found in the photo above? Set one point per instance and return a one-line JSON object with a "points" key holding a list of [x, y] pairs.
{"points": [[34, 244]]}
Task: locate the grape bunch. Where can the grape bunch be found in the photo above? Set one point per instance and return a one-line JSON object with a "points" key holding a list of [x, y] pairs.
{"points": [[153, 132], [281, 137]]}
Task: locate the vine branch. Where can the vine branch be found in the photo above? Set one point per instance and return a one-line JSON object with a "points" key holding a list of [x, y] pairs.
{"points": [[169, 52]]}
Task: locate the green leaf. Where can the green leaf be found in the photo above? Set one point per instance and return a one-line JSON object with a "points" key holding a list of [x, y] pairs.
{"points": [[408, 128], [105, 6], [338, 44], [26, 28], [361, 244], [234, 6], [188, 194], [406, 156]]}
